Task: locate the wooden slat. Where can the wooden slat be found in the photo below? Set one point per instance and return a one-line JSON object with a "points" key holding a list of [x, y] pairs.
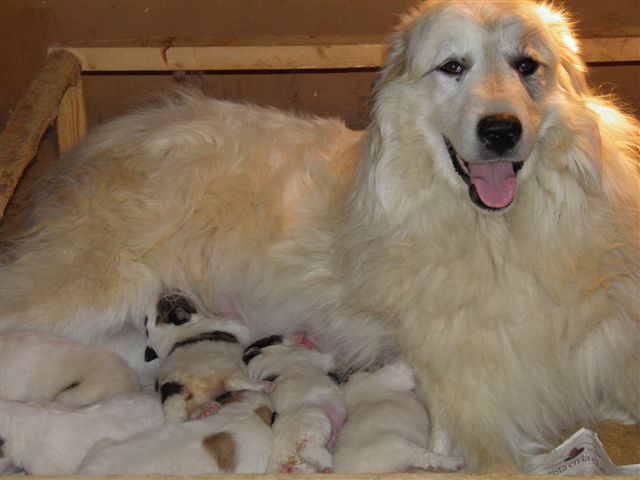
{"points": [[244, 57], [611, 49], [36, 111], [71, 124], [311, 54]]}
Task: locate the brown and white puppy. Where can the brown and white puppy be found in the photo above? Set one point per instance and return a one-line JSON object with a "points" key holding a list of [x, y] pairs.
{"points": [[201, 357], [387, 427], [39, 366], [310, 405], [237, 439], [46, 438]]}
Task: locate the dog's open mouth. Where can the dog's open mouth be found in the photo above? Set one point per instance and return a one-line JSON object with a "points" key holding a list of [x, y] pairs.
{"points": [[492, 186]]}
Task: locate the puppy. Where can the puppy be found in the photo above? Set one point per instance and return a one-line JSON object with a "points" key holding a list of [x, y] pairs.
{"points": [[201, 357], [237, 439], [46, 438], [310, 405], [386, 428], [39, 366]]}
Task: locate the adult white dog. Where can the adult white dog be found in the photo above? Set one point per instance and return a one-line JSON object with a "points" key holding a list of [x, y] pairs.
{"points": [[489, 217]]}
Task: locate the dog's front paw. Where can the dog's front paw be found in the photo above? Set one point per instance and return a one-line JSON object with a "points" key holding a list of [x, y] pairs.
{"points": [[433, 461]]}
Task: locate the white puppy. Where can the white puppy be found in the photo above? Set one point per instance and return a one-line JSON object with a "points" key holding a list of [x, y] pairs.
{"points": [[46, 438], [386, 429], [309, 403], [237, 439], [201, 357], [39, 366]]}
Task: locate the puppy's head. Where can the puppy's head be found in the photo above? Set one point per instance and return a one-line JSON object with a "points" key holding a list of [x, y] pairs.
{"points": [[271, 357], [396, 376], [177, 320]]}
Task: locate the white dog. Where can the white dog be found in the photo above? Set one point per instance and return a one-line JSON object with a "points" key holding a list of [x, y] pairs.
{"points": [[201, 357], [487, 221], [46, 438], [387, 428], [38, 366], [237, 439], [310, 405]]}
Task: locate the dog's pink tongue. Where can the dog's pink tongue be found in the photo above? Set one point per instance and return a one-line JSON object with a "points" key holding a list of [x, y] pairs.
{"points": [[495, 182]]}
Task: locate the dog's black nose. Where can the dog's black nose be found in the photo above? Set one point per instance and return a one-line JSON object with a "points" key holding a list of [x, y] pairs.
{"points": [[499, 133]]}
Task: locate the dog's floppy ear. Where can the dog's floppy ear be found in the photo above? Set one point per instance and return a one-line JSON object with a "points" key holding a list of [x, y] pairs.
{"points": [[395, 63], [571, 69]]}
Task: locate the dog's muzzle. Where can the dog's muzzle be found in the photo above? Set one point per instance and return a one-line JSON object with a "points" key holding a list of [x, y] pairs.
{"points": [[492, 185]]}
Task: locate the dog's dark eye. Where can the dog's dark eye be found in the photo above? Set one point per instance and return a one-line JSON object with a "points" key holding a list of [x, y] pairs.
{"points": [[526, 66], [452, 68]]}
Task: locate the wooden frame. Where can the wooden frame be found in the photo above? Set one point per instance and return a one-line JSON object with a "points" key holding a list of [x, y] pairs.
{"points": [[57, 94]]}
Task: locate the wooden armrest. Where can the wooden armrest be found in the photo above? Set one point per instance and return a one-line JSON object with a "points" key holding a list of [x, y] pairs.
{"points": [[21, 137]]}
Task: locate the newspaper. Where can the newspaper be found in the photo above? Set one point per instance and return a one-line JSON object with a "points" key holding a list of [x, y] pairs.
{"points": [[581, 455]]}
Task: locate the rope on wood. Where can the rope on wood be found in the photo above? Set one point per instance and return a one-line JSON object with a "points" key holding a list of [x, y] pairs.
{"points": [[21, 137]]}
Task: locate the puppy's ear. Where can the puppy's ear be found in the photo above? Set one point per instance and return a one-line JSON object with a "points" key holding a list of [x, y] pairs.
{"points": [[174, 309], [150, 354]]}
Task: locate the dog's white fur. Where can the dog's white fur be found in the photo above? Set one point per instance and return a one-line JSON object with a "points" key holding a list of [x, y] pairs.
{"points": [[46, 438], [310, 406], [237, 439], [520, 323], [39, 366], [205, 369], [387, 428]]}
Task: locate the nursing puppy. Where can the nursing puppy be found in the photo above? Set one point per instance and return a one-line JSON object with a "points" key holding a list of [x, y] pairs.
{"points": [[387, 428], [39, 366], [237, 439], [200, 357], [486, 221], [309, 403], [46, 438]]}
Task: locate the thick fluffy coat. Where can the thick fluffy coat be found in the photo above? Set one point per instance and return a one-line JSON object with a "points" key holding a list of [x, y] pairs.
{"points": [[488, 220]]}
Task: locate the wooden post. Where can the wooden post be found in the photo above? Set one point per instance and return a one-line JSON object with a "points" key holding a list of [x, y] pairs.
{"points": [[71, 124]]}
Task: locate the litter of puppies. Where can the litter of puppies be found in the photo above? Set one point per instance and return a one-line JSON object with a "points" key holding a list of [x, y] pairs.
{"points": [[221, 405]]}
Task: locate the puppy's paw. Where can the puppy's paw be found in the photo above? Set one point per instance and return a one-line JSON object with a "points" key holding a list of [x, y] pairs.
{"points": [[175, 409], [267, 387], [205, 410]]}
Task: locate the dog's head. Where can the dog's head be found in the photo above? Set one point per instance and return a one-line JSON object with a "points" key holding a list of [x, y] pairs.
{"points": [[473, 83], [178, 322]]}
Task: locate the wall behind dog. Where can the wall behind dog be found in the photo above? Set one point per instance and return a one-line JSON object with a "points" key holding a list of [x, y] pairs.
{"points": [[28, 27]]}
